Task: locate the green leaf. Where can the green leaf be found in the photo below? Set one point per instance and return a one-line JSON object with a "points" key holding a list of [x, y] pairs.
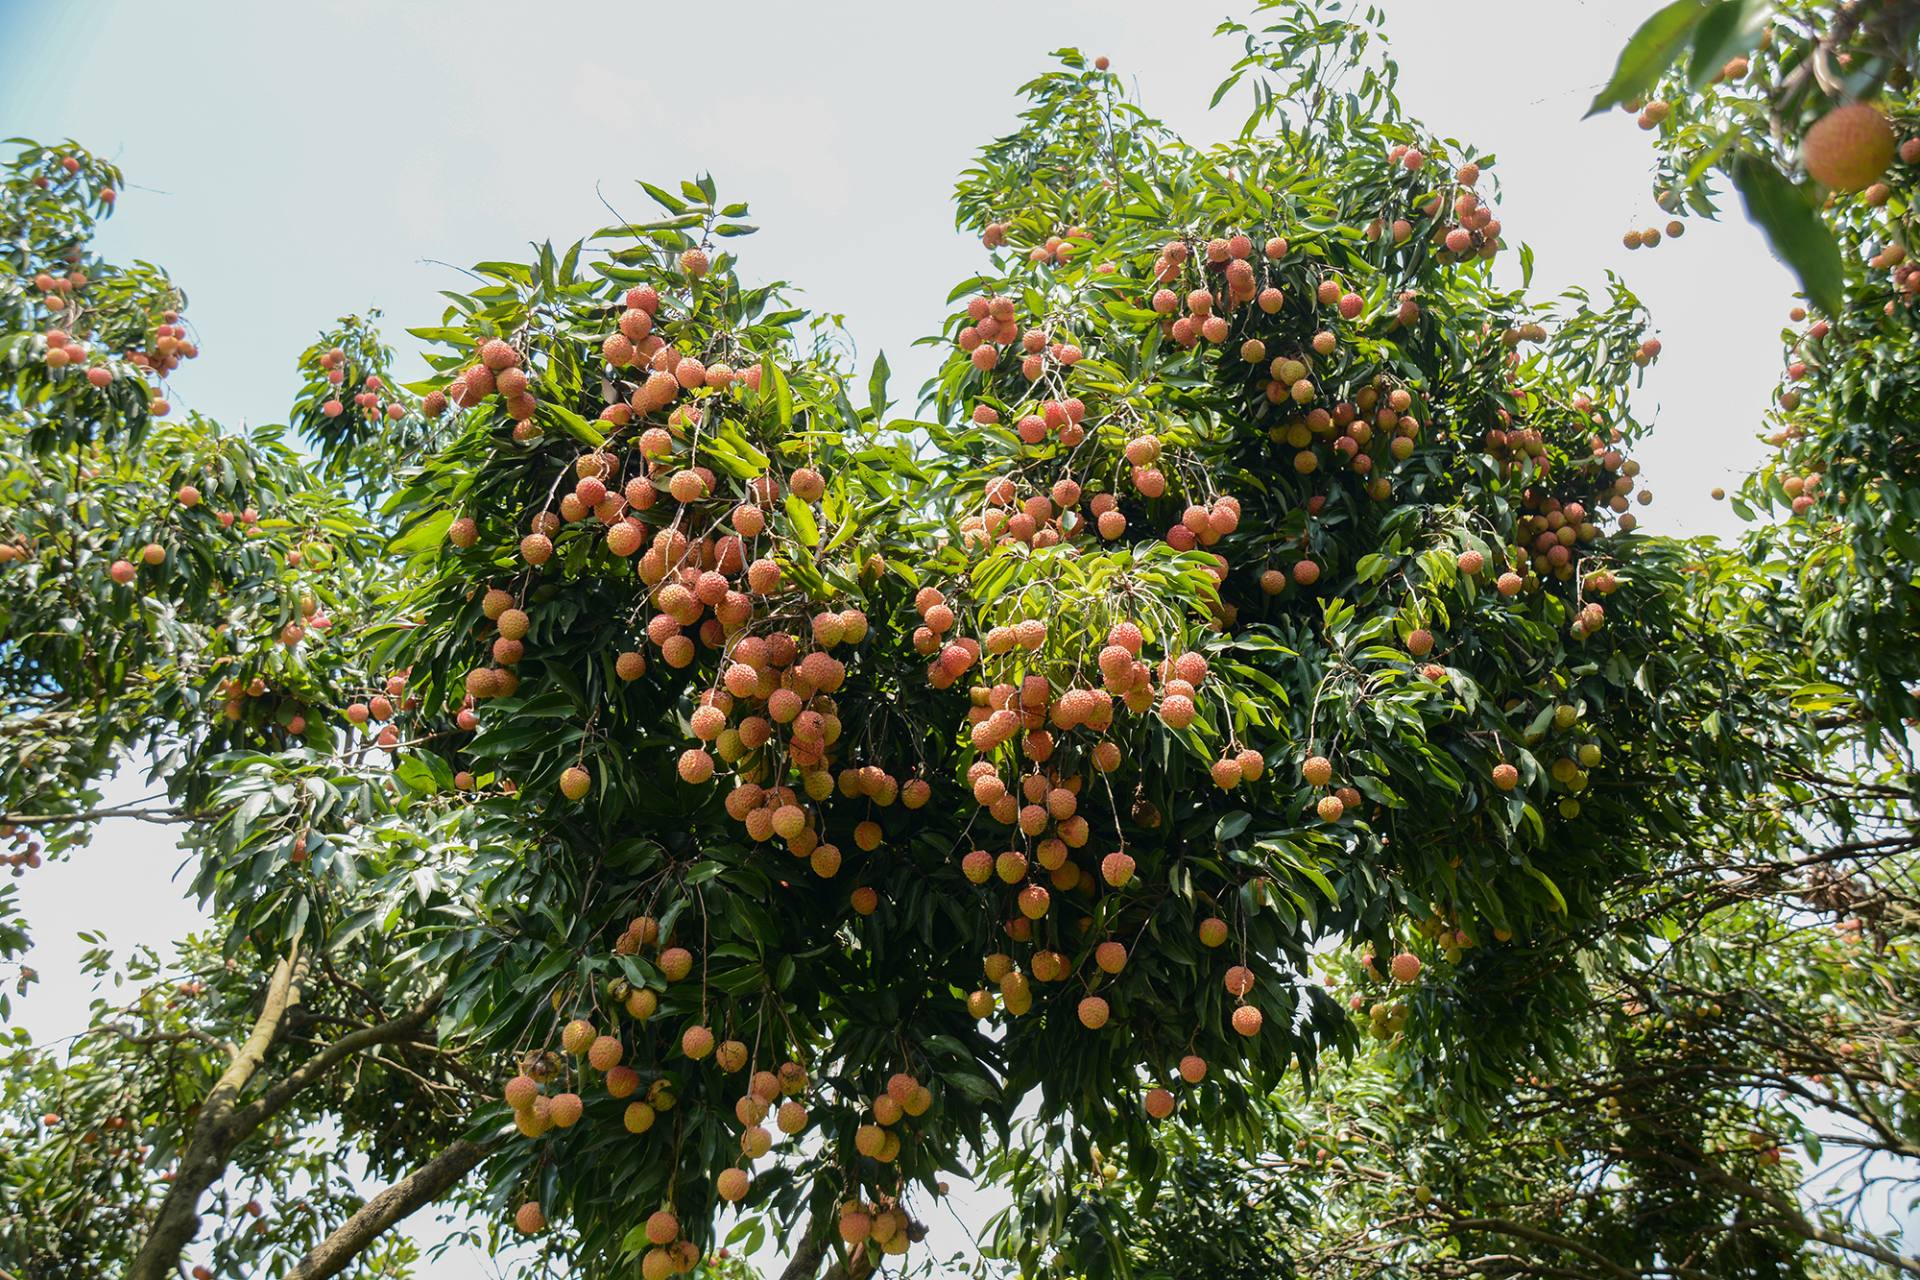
{"points": [[782, 393], [1546, 882], [877, 387], [1788, 213], [671, 203], [1730, 27], [1649, 53]]}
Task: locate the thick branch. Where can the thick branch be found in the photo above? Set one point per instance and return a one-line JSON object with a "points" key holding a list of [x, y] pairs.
{"points": [[263, 1108], [1535, 1235], [805, 1263], [211, 1142], [420, 1188]]}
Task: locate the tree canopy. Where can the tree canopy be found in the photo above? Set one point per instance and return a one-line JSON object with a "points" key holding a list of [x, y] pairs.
{"points": [[1228, 766]]}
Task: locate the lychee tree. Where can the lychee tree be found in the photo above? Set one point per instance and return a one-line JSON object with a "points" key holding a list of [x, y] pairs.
{"points": [[1260, 576], [1734, 1106], [1808, 111], [193, 598], [171, 587], [716, 760]]}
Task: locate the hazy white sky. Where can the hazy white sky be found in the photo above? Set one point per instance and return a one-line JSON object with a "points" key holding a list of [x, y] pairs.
{"points": [[293, 163]]}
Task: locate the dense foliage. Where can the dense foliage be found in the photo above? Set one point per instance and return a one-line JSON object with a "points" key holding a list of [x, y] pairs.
{"points": [[1229, 767], [1726, 1089]]}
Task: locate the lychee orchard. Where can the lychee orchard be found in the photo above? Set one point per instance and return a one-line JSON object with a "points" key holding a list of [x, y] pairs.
{"points": [[783, 797]]}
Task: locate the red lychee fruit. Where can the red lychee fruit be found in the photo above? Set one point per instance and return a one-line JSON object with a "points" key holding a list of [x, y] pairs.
{"points": [[1849, 147]]}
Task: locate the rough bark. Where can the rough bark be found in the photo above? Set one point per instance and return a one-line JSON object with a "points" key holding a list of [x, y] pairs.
{"points": [[415, 1191]]}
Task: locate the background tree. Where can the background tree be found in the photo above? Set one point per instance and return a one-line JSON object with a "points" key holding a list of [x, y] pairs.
{"points": [[196, 596]]}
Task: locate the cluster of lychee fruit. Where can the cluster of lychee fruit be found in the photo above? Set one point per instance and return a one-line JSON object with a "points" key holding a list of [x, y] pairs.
{"points": [[377, 712], [368, 400], [23, 852], [770, 1099], [886, 1224]]}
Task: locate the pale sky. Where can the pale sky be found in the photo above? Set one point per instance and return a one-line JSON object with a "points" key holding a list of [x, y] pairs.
{"points": [[291, 163]]}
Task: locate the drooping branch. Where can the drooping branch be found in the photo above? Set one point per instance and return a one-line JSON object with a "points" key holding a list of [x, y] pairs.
{"points": [[415, 1191], [1791, 1218], [1539, 1236]]}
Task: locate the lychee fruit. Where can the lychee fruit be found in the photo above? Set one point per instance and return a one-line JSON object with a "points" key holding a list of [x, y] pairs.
{"points": [[1849, 148]]}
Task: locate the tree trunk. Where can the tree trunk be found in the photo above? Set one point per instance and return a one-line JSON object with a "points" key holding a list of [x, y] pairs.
{"points": [[420, 1188], [805, 1263], [212, 1141]]}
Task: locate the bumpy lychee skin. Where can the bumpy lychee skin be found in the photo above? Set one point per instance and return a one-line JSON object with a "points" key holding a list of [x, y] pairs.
{"points": [[1506, 777], [530, 1219], [1093, 1013], [577, 1036], [1849, 147], [604, 1053], [565, 1110], [520, 1092], [1405, 967]]}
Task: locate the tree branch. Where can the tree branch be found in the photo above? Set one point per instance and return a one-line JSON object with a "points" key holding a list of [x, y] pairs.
{"points": [[212, 1140], [420, 1188], [1790, 1216], [257, 1112], [805, 1263], [163, 816], [1535, 1235]]}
